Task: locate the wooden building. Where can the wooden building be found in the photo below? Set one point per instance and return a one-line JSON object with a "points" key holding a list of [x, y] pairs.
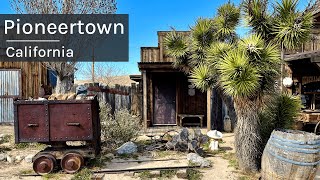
{"points": [[168, 97], [303, 66], [20, 80], [32, 76]]}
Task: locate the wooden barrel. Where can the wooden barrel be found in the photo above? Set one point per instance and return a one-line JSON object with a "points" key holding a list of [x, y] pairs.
{"points": [[291, 154]]}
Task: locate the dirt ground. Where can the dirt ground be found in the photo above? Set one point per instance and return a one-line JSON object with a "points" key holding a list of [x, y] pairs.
{"points": [[223, 168]]}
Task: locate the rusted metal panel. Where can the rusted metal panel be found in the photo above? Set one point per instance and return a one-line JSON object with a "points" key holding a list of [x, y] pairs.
{"points": [[6, 110], [70, 122], [35, 125]]}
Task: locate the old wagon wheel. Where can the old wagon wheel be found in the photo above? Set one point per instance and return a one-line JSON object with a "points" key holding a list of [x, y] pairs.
{"points": [[316, 129], [72, 162], [44, 164]]}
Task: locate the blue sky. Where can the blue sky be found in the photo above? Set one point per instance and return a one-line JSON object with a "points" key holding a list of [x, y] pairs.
{"points": [[146, 17]]}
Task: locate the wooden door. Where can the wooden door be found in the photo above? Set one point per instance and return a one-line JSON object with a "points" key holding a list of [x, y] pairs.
{"points": [[164, 99]]}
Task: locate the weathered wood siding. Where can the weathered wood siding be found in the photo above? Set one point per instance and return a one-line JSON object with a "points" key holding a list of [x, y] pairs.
{"points": [[33, 74], [313, 44], [195, 105], [120, 97], [185, 104], [158, 54]]}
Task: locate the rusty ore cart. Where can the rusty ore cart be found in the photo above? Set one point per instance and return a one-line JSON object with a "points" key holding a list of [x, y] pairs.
{"points": [[56, 122]]}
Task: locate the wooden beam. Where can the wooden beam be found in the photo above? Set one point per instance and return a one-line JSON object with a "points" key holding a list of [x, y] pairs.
{"points": [[209, 109], [144, 79], [302, 55]]}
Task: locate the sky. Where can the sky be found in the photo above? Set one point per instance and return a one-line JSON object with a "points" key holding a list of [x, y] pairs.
{"points": [[146, 17]]}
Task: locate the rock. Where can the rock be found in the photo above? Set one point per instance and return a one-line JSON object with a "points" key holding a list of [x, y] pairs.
{"points": [[80, 96], [18, 158], [3, 157], [154, 174], [28, 158], [197, 132], [10, 159], [127, 148], [203, 139], [170, 145], [96, 176], [182, 174], [182, 146], [130, 174], [184, 134], [1, 138], [193, 145], [196, 159], [110, 156], [200, 151]]}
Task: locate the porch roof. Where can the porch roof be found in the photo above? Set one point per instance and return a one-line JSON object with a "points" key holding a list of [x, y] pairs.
{"points": [[303, 55], [157, 66]]}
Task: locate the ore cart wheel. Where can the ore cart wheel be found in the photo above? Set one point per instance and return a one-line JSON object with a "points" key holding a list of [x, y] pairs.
{"points": [[44, 164], [72, 162]]}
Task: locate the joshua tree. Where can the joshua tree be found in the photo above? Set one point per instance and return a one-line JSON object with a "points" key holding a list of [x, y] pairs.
{"points": [[64, 70], [245, 69], [195, 50]]}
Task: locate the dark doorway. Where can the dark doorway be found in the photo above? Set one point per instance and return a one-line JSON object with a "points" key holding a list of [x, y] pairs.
{"points": [[164, 86]]}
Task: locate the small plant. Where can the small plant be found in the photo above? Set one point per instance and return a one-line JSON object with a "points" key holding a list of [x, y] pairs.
{"points": [[128, 156], [50, 176], [194, 174], [244, 178], [28, 171], [120, 127], [98, 162], [144, 175], [280, 112], [30, 145], [232, 160], [167, 174], [84, 174], [6, 138]]}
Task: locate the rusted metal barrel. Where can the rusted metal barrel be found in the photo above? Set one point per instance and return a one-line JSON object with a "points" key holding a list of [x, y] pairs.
{"points": [[291, 154]]}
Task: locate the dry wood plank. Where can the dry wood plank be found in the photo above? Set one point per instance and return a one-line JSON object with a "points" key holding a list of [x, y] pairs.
{"points": [[144, 169]]}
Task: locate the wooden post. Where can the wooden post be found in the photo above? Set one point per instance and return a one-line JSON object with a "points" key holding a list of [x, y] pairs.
{"points": [[144, 79], [209, 109]]}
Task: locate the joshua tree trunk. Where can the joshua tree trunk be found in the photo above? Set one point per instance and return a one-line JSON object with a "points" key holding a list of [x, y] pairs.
{"points": [[63, 85], [247, 135], [229, 103]]}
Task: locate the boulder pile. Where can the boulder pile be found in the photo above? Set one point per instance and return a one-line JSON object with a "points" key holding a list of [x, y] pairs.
{"points": [[186, 141]]}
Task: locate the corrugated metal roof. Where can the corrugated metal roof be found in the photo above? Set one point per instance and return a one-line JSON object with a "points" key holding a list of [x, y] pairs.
{"points": [[9, 83]]}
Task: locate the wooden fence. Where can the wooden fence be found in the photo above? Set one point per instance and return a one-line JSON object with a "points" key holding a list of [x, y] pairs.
{"points": [[120, 97]]}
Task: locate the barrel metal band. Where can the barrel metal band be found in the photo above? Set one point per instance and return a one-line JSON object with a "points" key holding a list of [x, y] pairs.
{"points": [[300, 146], [292, 161], [299, 150], [317, 142]]}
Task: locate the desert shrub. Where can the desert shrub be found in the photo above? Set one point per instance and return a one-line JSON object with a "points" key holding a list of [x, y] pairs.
{"points": [[280, 112], [83, 174], [120, 127], [6, 138]]}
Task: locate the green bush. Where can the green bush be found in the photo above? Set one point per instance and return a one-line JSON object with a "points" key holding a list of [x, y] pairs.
{"points": [[280, 112], [120, 127], [83, 174]]}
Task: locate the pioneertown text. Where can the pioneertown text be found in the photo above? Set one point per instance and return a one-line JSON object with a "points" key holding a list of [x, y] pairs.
{"points": [[52, 28], [65, 37]]}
